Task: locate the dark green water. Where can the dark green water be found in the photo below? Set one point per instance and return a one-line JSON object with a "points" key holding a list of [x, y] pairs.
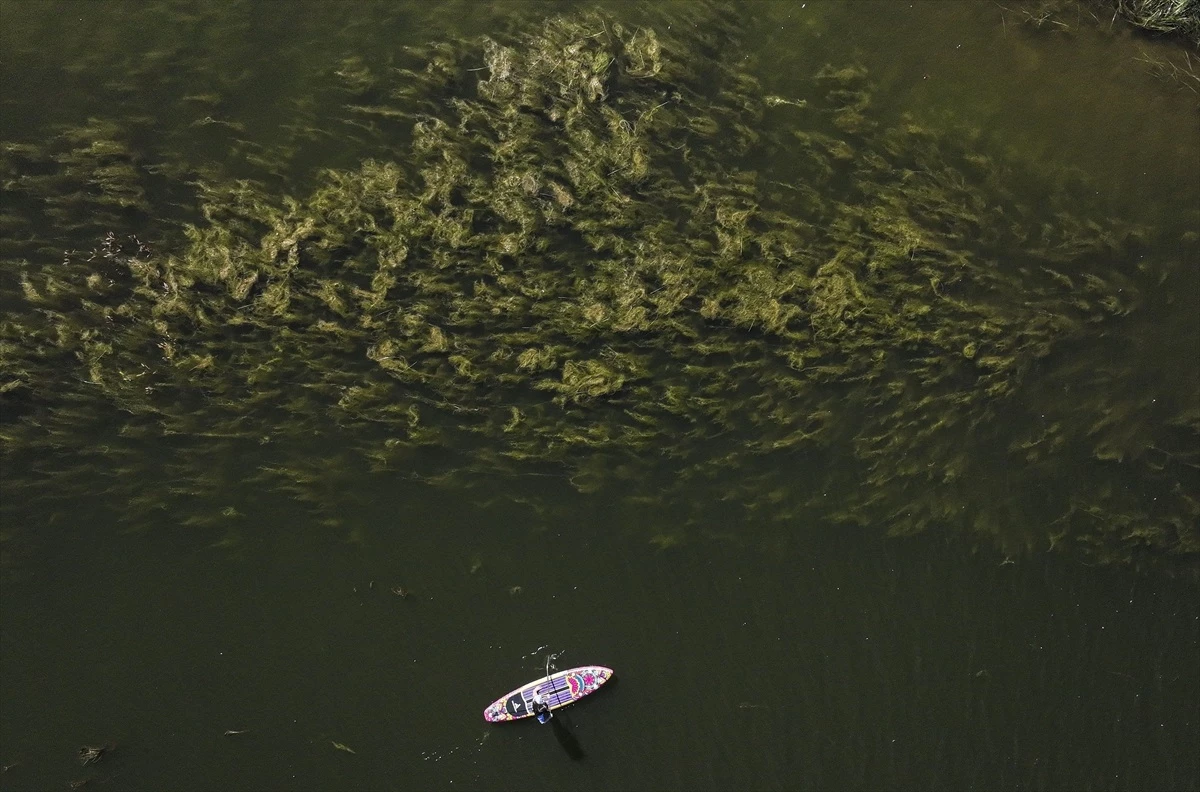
{"points": [[789, 656]]}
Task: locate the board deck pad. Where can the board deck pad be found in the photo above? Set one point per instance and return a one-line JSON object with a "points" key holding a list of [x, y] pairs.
{"points": [[558, 690]]}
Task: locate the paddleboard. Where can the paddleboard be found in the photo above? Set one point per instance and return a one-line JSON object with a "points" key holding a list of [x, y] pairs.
{"points": [[558, 690]]}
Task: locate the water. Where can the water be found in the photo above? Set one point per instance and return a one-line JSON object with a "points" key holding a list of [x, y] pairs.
{"points": [[749, 656], [836, 661]]}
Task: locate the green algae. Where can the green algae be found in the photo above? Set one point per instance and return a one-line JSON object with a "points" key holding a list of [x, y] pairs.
{"points": [[604, 254]]}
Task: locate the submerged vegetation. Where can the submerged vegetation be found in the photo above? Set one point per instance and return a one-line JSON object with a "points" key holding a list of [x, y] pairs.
{"points": [[602, 252]]}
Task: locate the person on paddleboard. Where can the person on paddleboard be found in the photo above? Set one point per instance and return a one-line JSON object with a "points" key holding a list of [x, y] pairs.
{"points": [[541, 708]]}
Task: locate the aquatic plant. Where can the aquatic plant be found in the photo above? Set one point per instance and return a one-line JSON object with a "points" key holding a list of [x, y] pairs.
{"points": [[603, 253]]}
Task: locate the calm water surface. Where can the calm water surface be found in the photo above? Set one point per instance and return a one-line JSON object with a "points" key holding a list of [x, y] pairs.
{"points": [[813, 658]]}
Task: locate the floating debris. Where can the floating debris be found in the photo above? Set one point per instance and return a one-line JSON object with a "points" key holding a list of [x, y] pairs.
{"points": [[90, 754]]}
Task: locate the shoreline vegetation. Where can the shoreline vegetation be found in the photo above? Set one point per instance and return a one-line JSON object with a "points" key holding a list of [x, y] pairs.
{"points": [[1177, 20], [600, 253]]}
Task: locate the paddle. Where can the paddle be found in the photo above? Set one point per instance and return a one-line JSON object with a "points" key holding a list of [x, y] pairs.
{"points": [[543, 715]]}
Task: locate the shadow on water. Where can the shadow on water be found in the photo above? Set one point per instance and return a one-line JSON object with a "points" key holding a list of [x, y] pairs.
{"points": [[566, 738], [561, 723]]}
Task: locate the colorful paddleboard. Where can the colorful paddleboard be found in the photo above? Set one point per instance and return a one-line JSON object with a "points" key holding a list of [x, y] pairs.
{"points": [[557, 690]]}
